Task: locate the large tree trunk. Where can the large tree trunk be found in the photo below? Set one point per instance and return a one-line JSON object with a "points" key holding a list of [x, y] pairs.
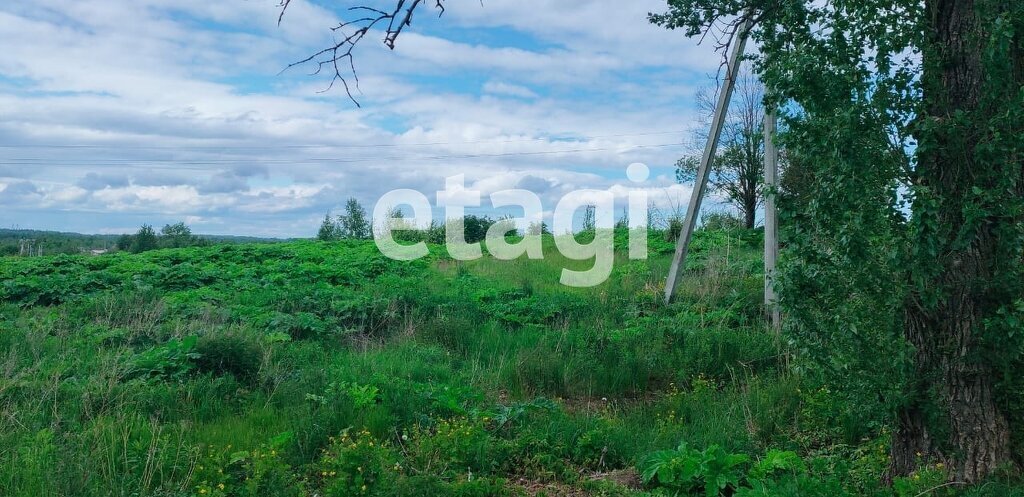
{"points": [[749, 212], [952, 385], [952, 414]]}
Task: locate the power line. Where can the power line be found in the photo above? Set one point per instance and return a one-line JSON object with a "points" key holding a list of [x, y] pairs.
{"points": [[330, 146], [184, 163]]}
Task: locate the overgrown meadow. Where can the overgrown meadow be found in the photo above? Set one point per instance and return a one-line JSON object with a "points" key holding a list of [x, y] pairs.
{"points": [[326, 369]]}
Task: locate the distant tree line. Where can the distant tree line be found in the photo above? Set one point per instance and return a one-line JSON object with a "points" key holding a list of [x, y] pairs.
{"points": [[14, 241], [474, 229], [355, 224], [176, 235]]}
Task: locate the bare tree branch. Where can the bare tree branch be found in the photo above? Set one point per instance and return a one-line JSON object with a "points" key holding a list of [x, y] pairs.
{"points": [[339, 57], [722, 23]]}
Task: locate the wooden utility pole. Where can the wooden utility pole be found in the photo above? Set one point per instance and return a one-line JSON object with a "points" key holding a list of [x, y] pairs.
{"points": [[771, 218], [675, 272]]}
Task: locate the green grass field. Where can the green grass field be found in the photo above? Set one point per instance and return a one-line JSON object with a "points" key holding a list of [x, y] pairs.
{"points": [[326, 369]]}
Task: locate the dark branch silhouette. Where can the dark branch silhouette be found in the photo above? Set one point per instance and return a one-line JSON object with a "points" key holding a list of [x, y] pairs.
{"points": [[723, 25], [339, 57]]}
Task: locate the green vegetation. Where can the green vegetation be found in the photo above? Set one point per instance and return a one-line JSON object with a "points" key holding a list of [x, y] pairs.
{"points": [[902, 205], [14, 242], [313, 368], [737, 171], [902, 126], [19, 242], [354, 224], [176, 235]]}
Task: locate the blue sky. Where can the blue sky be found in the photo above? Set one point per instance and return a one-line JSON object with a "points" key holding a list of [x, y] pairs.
{"points": [[115, 113]]}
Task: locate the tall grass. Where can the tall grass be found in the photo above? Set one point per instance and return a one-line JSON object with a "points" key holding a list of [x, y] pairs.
{"points": [[121, 375]]}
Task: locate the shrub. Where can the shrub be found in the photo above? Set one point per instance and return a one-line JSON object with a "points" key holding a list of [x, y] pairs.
{"points": [[721, 221], [173, 359], [223, 471], [455, 445], [673, 229], [712, 471], [355, 464], [715, 472], [229, 353]]}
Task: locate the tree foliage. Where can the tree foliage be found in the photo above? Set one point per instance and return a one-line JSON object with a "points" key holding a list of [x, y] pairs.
{"points": [[889, 104], [177, 235], [737, 172], [354, 223], [145, 240], [328, 230]]}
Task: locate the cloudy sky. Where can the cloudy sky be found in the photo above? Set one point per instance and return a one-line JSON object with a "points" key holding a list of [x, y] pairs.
{"points": [[115, 113]]}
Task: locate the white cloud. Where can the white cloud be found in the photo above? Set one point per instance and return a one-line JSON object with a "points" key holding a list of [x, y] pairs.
{"points": [[508, 89], [183, 116]]}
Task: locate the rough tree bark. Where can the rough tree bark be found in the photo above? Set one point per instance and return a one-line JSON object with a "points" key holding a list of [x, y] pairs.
{"points": [[749, 211], [953, 415]]}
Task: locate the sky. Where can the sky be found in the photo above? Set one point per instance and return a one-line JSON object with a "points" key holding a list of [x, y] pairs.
{"points": [[115, 113]]}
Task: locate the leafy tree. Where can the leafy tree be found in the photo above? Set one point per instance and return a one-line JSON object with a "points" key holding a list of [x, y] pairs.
{"points": [[124, 242], [737, 172], [402, 229], [538, 228], [354, 223], [177, 229], [590, 218], [328, 230], [872, 121], [178, 235], [476, 227], [436, 233], [145, 240]]}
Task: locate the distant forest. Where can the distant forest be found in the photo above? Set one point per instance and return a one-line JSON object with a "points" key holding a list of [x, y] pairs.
{"points": [[15, 242]]}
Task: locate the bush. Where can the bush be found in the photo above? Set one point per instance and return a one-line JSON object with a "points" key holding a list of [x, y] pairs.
{"points": [[355, 464], [458, 444], [173, 359], [721, 221], [223, 471], [229, 353], [712, 471]]}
